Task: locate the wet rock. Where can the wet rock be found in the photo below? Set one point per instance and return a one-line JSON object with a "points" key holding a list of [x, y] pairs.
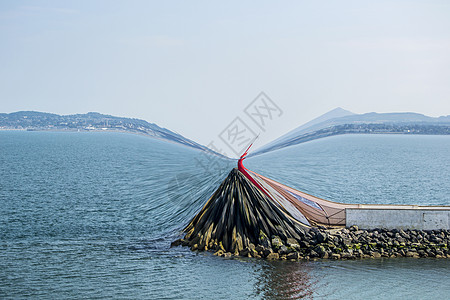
{"points": [[347, 255], [259, 248], [276, 242], [244, 252], [264, 240], [335, 256], [304, 244], [376, 254], [412, 254], [346, 242], [313, 254], [293, 255], [321, 237], [283, 250], [290, 242], [320, 250], [266, 252], [273, 256], [254, 253], [354, 228]]}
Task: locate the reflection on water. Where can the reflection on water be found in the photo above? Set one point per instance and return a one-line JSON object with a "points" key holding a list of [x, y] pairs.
{"points": [[285, 280]]}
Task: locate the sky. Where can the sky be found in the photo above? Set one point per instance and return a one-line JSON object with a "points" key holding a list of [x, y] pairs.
{"points": [[195, 66]]}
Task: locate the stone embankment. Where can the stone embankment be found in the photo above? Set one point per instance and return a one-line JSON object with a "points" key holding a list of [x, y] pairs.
{"points": [[240, 220], [340, 243]]}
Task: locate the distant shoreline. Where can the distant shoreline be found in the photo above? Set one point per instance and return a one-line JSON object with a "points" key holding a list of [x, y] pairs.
{"points": [[96, 130], [371, 128]]}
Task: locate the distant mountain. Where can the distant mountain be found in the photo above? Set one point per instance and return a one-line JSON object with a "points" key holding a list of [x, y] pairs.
{"points": [[332, 114], [92, 121], [340, 121]]}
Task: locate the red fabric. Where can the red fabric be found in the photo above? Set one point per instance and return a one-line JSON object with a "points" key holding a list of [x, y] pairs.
{"points": [[243, 170]]}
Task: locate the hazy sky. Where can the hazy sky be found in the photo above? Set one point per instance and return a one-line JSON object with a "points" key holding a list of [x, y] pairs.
{"points": [[193, 66]]}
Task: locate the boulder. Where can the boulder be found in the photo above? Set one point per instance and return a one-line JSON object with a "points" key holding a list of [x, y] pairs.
{"points": [[321, 237], [264, 240], [283, 250], [335, 256], [276, 242], [272, 256], [354, 228], [267, 252], [293, 255]]}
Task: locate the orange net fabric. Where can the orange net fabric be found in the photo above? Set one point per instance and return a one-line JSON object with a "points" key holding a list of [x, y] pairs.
{"points": [[305, 208]]}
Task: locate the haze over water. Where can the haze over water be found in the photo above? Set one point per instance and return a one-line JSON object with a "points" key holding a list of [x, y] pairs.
{"points": [[92, 215]]}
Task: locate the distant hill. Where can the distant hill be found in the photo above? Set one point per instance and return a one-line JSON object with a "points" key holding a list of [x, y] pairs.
{"points": [[92, 121], [340, 121]]}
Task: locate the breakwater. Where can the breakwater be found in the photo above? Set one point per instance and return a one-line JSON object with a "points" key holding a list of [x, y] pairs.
{"points": [[241, 220], [340, 243]]}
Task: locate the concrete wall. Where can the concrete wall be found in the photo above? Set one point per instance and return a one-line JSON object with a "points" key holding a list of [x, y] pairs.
{"points": [[423, 219]]}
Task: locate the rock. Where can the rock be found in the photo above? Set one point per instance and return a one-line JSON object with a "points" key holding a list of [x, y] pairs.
{"points": [[404, 235], [354, 228], [422, 253], [259, 248], [304, 244], [335, 256], [267, 252], [254, 253], [346, 241], [290, 242], [276, 242], [320, 250], [244, 252], [313, 254], [347, 255], [376, 254], [272, 256], [436, 239], [283, 250], [358, 253], [412, 254], [264, 240], [321, 237], [293, 255]]}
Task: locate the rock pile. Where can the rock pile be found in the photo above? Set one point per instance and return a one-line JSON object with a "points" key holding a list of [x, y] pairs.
{"points": [[240, 220], [349, 243]]}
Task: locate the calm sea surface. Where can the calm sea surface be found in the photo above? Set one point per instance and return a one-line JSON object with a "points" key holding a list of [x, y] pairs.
{"points": [[92, 215]]}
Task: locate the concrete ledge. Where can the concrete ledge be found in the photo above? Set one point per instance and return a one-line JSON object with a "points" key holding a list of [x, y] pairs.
{"points": [[422, 218]]}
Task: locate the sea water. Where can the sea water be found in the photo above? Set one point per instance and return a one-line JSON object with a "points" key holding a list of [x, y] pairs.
{"points": [[92, 215]]}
